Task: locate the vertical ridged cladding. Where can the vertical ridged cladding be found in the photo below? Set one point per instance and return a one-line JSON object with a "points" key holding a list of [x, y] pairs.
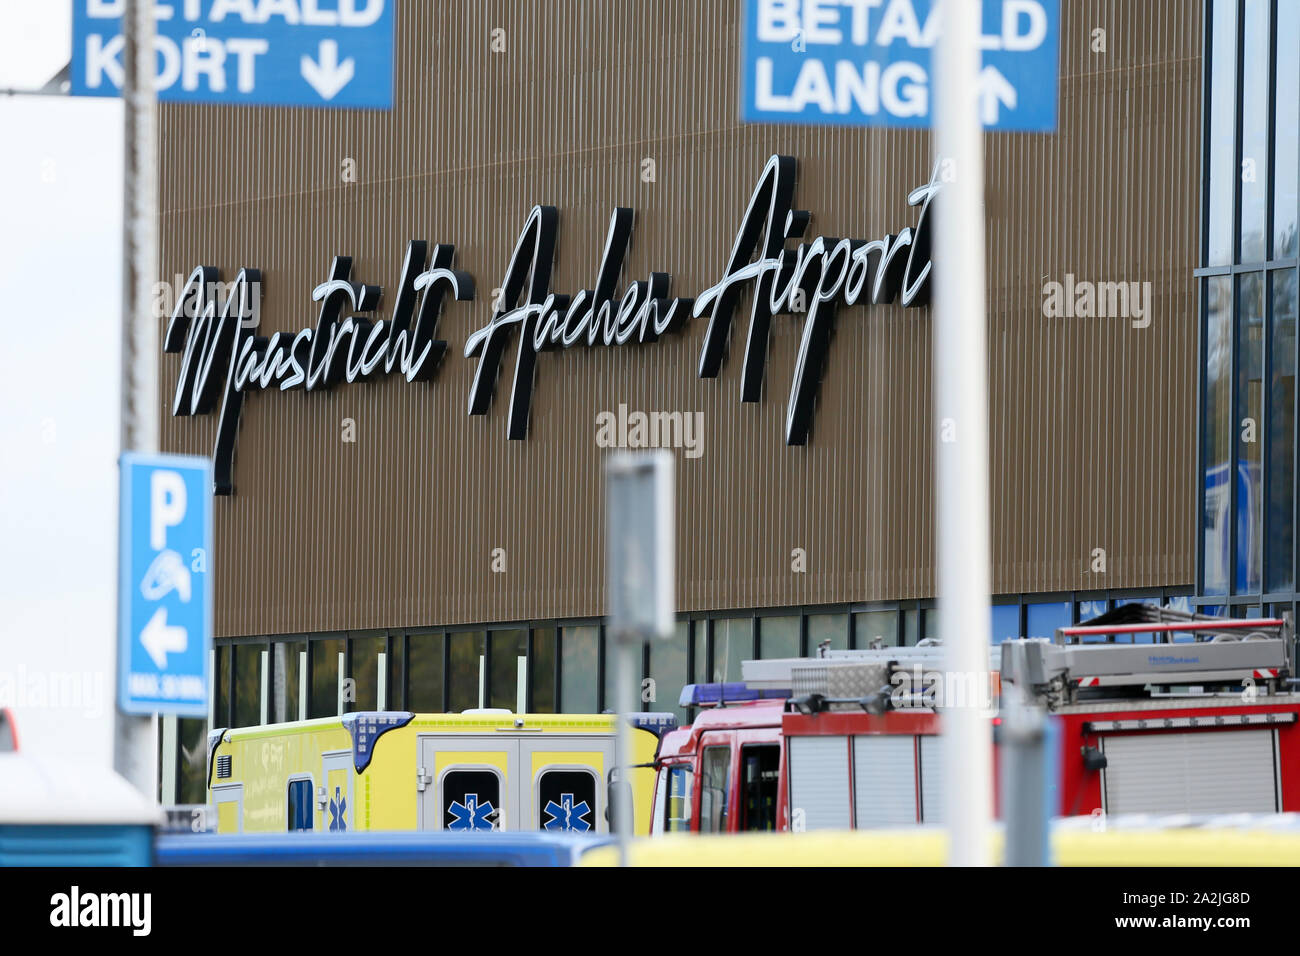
{"points": [[1092, 422]]}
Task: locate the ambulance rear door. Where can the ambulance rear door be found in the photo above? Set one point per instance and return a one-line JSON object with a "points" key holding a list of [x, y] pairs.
{"points": [[561, 784], [468, 782]]}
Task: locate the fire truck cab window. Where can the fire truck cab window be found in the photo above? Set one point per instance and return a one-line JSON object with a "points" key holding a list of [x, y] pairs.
{"points": [[760, 771], [677, 802], [714, 781]]}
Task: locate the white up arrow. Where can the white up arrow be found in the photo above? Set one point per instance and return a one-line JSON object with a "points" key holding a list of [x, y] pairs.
{"points": [[327, 76], [160, 638], [994, 88]]}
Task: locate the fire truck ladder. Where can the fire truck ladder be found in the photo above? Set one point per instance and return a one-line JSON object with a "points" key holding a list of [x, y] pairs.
{"points": [[1089, 660], [871, 679]]}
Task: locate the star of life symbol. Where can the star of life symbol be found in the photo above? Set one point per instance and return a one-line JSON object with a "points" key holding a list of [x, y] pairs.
{"points": [[338, 810], [471, 815], [565, 816]]}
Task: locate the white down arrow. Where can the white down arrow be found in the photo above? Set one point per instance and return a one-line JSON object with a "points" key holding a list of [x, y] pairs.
{"points": [[326, 74]]}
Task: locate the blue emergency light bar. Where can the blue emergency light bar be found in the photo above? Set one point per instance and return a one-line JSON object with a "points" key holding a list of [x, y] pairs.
{"points": [[657, 722], [710, 695]]}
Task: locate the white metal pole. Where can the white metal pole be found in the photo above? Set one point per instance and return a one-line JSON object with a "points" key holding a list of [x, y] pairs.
{"points": [[265, 705], [303, 688], [212, 691], [961, 456], [135, 738], [170, 732], [342, 680]]}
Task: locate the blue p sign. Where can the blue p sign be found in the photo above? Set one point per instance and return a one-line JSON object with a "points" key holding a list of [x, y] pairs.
{"points": [[165, 584]]}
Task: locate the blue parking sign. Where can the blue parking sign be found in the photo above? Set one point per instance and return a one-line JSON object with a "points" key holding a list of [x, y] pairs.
{"points": [[164, 584], [871, 63], [335, 54]]}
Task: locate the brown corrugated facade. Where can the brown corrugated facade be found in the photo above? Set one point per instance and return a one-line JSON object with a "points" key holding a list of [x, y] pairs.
{"points": [[596, 105]]}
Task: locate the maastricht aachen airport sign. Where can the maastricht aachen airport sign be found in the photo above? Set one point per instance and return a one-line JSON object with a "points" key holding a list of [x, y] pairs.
{"points": [[812, 279]]}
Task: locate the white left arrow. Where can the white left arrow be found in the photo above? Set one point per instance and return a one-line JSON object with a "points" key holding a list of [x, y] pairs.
{"points": [[326, 74], [160, 638], [994, 89]]}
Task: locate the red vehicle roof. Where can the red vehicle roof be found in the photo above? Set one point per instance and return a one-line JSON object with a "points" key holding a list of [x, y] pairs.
{"points": [[759, 713]]}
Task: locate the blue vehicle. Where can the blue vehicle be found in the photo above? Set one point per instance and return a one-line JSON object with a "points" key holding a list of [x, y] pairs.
{"points": [[55, 812], [374, 848]]}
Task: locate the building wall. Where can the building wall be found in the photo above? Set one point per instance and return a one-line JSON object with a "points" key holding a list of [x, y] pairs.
{"points": [[1092, 421]]}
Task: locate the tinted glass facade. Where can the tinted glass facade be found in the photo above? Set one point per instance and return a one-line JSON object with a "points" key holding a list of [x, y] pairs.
{"points": [[1247, 283], [701, 645]]}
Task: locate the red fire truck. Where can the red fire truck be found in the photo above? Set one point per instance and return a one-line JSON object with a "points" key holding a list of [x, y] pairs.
{"points": [[1157, 711]]}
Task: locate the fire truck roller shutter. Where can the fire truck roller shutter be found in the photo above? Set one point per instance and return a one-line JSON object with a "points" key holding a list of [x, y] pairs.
{"points": [[932, 810], [884, 780], [819, 783], [1209, 771]]}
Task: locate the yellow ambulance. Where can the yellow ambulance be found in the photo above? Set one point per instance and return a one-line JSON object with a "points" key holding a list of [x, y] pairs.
{"points": [[387, 770]]}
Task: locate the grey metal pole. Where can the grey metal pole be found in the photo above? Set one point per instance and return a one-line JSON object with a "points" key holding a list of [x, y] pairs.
{"points": [[1030, 740], [135, 738], [1025, 781], [639, 570], [961, 440]]}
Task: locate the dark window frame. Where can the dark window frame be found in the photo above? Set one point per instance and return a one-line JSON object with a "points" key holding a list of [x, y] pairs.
{"points": [[743, 793]]}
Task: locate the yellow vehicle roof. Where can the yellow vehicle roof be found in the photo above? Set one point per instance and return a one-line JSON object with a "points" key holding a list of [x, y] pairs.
{"points": [[928, 846], [470, 722]]}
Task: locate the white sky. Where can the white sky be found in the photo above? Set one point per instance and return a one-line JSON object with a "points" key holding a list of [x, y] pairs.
{"points": [[60, 271], [35, 41]]}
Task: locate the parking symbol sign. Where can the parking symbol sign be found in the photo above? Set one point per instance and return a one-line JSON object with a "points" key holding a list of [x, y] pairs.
{"points": [[334, 54], [164, 584]]}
